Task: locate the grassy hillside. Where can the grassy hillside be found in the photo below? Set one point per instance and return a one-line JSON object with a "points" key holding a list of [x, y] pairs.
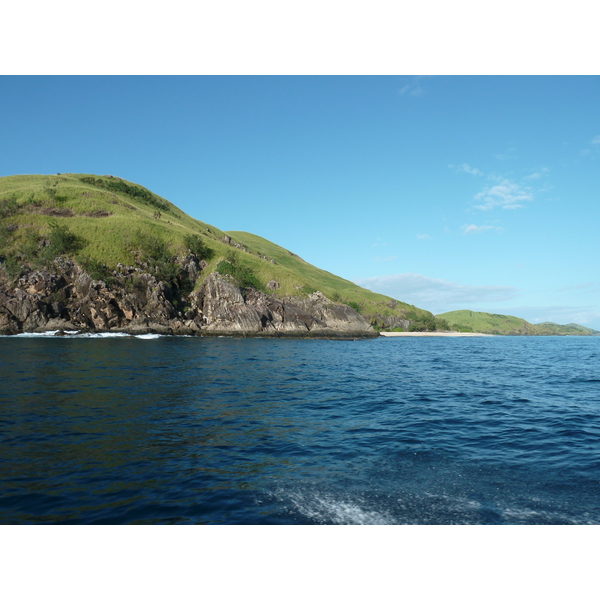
{"points": [[334, 287], [103, 220], [481, 322]]}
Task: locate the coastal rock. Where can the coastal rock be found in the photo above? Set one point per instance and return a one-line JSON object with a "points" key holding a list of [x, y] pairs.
{"points": [[192, 266], [66, 298], [224, 308]]}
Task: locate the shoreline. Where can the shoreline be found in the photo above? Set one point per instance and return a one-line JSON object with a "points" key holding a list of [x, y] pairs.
{"points": [[431, 334], [166, 332]]}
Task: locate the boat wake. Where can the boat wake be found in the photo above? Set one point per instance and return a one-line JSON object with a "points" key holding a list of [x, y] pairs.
{"points": [[326, 509]]}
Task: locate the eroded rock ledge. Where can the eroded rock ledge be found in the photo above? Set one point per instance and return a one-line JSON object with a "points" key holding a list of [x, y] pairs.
{"points": [[68, 299]]}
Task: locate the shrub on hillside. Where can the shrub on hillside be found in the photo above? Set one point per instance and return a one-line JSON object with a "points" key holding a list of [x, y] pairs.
{"points": [[441, 324], [421, 322], [60, 242], [354, 306], [4, 240], [133, 191], [155, 252], [196, 246], [150, 247], [97, 270], [8, 207], [39, 251], [243, 275], [11, 267], [29, 246], [307, 290]]}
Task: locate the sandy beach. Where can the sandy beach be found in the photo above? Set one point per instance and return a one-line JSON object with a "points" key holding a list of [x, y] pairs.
{"points": [[431, 334]]}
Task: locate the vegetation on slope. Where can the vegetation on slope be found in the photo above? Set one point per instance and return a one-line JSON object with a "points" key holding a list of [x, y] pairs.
{"points": [[482, 322], [103, 221], [369, 304]]}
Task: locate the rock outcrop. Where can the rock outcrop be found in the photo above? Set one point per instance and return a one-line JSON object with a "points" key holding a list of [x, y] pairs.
{"points": [[390, 323], [66, 298]]}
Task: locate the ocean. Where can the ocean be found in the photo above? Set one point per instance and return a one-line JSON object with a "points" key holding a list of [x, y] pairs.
{"points": [[108, 429]]}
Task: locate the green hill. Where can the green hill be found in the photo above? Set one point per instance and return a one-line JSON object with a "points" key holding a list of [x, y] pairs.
{"points": [[101, 221], [482, 322], [569, 329]]}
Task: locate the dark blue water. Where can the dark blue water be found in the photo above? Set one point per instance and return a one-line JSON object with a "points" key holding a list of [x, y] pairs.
{"points": [[261, 431]]}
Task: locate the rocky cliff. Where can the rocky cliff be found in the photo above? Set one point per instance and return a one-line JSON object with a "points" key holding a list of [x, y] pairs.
{"points": [[64, 297]]}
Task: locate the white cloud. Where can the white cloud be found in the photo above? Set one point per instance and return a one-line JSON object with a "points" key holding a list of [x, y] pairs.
{"points": [[465, 168], [423, 236], [501, 191], [596, 140], [506, 194], [435, 295], [467, 229]]}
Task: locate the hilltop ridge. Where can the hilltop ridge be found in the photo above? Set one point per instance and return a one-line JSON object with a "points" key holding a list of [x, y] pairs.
{"points": [[482, 322]]}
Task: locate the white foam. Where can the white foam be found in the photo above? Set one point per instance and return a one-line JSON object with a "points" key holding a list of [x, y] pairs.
{"points": [[528, 514], [72, 334], [42, 334], [324, 508], [99, 335]]}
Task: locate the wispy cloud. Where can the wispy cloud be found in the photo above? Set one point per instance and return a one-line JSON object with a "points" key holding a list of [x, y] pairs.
{"points": [[506, 194], [508, 155], [423, 236], [594, 143], [467, 229], [436, 295], [588, 286], [539, 173], [465, 168], [413, 88]]}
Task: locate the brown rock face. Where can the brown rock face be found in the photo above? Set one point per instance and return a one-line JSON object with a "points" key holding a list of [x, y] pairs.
{"points": [[224, 308], [135, 301]]}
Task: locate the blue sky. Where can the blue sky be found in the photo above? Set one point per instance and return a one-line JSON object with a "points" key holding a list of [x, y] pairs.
{"points": [[448, 192]]}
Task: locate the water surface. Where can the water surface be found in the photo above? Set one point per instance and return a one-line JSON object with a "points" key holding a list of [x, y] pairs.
{"points": [[501, 430]]}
